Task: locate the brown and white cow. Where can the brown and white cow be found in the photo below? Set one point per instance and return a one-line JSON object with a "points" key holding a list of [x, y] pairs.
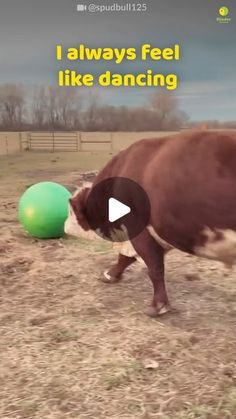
{"points": [[190, 179]]}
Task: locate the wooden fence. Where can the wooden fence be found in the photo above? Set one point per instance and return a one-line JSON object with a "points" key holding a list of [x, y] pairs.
{"points": [[66, 141], [74, 141], [53, 141]]}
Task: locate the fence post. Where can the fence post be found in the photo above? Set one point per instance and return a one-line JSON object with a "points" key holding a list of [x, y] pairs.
{"points": [[6, 142], [77, 141], [80, 141], [20, 140], [28, 141], [111, 139], [53, 142]]}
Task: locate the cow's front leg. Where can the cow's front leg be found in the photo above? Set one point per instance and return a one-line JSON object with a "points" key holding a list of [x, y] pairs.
{"points": [[114, 274], [153, 255]]}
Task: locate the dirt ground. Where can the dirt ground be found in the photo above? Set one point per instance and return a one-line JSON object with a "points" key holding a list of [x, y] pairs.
{"points": [[73, 347]]}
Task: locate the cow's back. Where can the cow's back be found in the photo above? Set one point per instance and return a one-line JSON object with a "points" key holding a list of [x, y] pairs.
{"points": [[190, 179], [192, 188]]}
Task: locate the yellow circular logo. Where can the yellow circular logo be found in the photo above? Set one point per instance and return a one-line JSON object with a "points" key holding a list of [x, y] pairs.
{"points": [[224, 11]]}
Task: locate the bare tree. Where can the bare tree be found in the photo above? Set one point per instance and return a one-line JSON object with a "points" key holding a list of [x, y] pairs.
{"points": [[74, 118], [12, 105], [39, 107], [164, 105], [64, 105], [53, 116], [64, 109], [91, 115], [68, 103]]}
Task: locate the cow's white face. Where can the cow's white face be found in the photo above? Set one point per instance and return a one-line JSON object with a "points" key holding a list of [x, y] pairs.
{"points": [[71, 226]]}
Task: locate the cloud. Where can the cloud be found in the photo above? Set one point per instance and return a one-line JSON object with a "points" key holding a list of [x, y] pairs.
{"points": [[207, 88]]}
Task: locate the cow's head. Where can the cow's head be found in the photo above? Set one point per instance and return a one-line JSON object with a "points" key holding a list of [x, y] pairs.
{"points": [[77, 221]]}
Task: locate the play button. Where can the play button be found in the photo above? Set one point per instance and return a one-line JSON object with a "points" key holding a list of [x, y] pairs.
{"points": [[116, 209]]}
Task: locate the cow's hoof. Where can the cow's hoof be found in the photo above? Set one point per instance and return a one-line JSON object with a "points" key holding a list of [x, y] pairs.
{"points": [[109, 279], [157, 310]]}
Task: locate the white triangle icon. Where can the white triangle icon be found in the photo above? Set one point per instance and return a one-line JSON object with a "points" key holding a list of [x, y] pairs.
{"points": [[116, 209]]}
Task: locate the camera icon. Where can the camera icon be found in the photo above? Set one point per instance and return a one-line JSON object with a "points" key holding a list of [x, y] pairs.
{"points": [[81, 7]]}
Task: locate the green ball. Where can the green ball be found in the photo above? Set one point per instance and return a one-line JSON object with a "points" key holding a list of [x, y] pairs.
{"points": [[43, 209]]}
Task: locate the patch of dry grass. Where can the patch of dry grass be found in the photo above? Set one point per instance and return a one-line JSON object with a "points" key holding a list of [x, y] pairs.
{"points": [[73, 347]]}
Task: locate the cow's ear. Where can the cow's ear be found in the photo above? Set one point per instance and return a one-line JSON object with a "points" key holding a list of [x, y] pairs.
{"points": [[78, 204]]}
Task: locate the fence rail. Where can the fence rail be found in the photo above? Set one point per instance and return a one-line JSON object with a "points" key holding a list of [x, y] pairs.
{"points": [[66, 141], [53, 141]]}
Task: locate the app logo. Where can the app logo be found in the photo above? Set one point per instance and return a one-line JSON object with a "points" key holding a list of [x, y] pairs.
{"points": [[224, 11], [224, 15]]}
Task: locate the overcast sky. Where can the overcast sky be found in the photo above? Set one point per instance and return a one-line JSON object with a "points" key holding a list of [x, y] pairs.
{"points": [[31, 29]]}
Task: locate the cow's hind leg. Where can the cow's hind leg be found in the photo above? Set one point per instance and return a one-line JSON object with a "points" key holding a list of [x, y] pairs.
{"points": [[114, 274], [153, 255]]}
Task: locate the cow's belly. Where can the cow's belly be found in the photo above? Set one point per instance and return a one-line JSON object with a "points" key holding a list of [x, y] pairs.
{"points": [[126, 248], [218, 244], [210, 243]]}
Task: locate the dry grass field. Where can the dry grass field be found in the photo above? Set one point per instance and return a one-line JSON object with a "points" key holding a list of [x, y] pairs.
{"points": [[73, 347]]}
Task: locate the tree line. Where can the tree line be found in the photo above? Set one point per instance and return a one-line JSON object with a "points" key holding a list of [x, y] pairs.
{"points": [[58, 108]]}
